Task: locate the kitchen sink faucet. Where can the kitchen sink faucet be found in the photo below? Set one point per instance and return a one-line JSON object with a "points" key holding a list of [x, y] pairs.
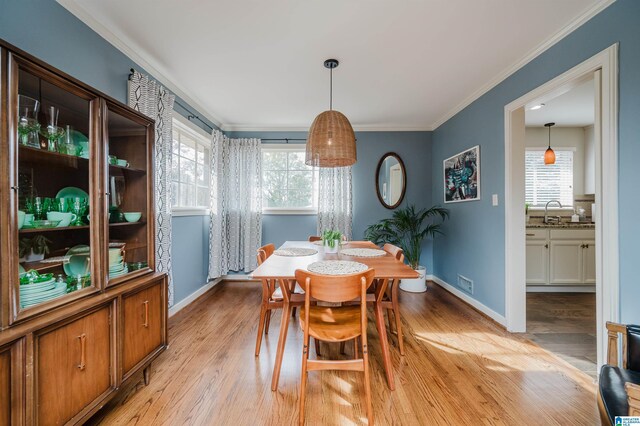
{"points": [[546, 215]]}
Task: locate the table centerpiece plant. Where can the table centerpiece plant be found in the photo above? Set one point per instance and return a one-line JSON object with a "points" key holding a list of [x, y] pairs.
{"points": [[331, 240], [407, 228]]}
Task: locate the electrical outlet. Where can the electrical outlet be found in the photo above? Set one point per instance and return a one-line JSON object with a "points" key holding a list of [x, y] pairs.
{"points": [[465, 284]]}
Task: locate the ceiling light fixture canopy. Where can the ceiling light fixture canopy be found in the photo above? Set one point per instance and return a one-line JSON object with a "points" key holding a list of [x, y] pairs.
{"points": [[536, 107], [331, 141], [549, 155]]}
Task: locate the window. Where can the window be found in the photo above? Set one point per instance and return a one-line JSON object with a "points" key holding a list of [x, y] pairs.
{"points": [[549, 182], [288, 184], [189, 168]]}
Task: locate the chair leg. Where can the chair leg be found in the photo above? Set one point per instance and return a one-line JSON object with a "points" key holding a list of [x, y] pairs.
{"points": [[367, 384], [356, 344], [284, 327], [396, 314], [384, 343], [389, 311], [303, 378], [268, 321], [263, 313], [317, 344]]}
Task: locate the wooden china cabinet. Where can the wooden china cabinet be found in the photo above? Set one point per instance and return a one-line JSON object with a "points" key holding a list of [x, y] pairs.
{"points": [[81, 306]]}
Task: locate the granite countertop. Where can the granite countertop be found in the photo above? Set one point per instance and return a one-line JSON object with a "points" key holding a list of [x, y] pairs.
{"points": [[562, 225]]}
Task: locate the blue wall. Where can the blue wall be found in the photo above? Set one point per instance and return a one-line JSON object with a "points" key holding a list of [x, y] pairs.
{"points": [[49, 32], [474, 245], [415, 150]]}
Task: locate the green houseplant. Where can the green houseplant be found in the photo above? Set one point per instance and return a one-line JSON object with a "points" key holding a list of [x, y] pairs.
{"points": [[407, 228], [33, 249], [331, 240]]}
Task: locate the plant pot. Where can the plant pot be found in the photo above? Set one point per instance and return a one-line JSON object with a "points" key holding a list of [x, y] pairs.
{"points": [[334, 249], [415, 285], [33, 257]]}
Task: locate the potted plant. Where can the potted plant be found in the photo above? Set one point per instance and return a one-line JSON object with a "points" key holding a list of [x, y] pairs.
{"points": [[33, 249], [408, 228], [331, 240]]}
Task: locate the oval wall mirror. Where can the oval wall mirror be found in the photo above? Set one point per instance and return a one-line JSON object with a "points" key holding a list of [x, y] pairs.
{"points": [[391, 180]]}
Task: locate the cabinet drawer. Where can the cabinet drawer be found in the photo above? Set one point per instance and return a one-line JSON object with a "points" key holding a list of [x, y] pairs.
{"points": [[144, 325], [572, 234], [73, 367], [537, 234]]}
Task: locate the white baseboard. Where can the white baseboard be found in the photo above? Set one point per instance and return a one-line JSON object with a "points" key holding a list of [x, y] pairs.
{"points": [[237, 277], [561, 289], [192, 297], [500, 319]]}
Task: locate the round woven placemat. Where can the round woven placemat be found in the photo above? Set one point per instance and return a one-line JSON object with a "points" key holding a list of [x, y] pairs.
{"points": [[337, 267], [363, 252], [295, 251]]}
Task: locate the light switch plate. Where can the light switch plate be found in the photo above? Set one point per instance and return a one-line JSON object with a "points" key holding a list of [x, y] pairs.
{"points": [[494, 199]]}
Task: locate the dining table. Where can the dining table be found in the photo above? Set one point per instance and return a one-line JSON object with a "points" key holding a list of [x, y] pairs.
{"points": [[282, 270]]}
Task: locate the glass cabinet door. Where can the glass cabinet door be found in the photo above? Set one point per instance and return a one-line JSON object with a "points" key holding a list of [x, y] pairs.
{"points": [[130, 218], [52, 130]]}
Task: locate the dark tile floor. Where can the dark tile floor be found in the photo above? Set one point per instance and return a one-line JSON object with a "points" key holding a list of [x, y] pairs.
{"points": [[565, 324]]}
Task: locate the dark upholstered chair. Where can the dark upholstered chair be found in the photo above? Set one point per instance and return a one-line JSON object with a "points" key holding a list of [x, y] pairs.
{"points": [[619, 387]]}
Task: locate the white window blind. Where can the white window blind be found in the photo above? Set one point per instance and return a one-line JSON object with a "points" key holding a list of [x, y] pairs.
{"points": [[189, 168], [545, 182]]}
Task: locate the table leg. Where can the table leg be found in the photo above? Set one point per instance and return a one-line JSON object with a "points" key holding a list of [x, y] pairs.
{"points": [[284, 327], [384, 343]]}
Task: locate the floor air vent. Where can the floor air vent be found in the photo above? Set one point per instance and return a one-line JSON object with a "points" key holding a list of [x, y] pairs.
{"points": [[465, 284]]}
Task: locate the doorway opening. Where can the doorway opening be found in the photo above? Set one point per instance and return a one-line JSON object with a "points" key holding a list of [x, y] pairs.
{"points": [[594, 270]]}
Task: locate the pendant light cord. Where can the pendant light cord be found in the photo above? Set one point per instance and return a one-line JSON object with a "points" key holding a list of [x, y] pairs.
{"points": [[549, 138], [331, 89]]}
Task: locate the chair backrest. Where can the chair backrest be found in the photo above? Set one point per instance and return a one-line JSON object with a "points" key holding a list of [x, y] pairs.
{"points": [[633, 347], [395, 251], [334, 288], [264, 252], [313, 238]]}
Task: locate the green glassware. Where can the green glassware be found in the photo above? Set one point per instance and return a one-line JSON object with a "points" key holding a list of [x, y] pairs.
{"points": [[61, 205], [78, 206]]}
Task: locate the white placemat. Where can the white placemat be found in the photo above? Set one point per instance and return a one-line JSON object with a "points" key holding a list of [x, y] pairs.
{"points": [[295, 251], [321, 243], [337, 267], [363, 252]]}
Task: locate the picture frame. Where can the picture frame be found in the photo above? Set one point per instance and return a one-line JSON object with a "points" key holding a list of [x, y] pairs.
{"points": [[461, 173]]}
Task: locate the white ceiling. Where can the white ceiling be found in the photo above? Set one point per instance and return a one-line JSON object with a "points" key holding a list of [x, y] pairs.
{"points": [[574, 108], [404, 65]]}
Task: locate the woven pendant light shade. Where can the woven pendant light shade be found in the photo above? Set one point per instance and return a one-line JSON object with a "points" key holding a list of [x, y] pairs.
{"points": [[331, 141]]}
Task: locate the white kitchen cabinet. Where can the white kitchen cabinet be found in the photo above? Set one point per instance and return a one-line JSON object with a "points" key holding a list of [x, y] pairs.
{"points": [[589, 262], [537, 262], [560, 257], [565, 262]]}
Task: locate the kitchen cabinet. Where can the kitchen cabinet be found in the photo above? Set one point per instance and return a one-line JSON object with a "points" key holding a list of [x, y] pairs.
{"points": [[560, 257]]}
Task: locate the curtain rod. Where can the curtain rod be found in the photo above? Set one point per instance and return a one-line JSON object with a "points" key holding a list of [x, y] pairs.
{"points": [[282, 139], [184, 107]]}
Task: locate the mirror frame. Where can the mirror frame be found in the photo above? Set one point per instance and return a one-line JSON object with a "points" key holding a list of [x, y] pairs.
{"points": [[404, 184]]}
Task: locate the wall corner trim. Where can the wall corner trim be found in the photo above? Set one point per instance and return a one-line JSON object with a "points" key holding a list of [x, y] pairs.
{"points": [[193, 297], [500, 319]]}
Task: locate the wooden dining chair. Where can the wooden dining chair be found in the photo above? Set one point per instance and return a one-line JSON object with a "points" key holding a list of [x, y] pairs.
{"points": [[335, 324], [390, 301], [273, 297]]}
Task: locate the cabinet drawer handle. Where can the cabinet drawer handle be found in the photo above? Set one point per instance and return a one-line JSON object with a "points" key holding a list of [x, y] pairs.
{"points": [[83, 345], [531, 235], [546, 246], [146, 313]]}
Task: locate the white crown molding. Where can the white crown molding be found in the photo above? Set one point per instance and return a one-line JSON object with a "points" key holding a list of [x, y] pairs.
{"points": [[149, 64], [294, 128], [565, 31]]}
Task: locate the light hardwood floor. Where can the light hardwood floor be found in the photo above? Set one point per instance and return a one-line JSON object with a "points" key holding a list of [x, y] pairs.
{"points": [[460, 368], [565, 324]]}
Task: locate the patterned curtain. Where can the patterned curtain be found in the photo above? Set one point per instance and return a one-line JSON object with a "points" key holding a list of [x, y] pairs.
{"points": [[153, 100], [335, 207], [235, 229]]}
